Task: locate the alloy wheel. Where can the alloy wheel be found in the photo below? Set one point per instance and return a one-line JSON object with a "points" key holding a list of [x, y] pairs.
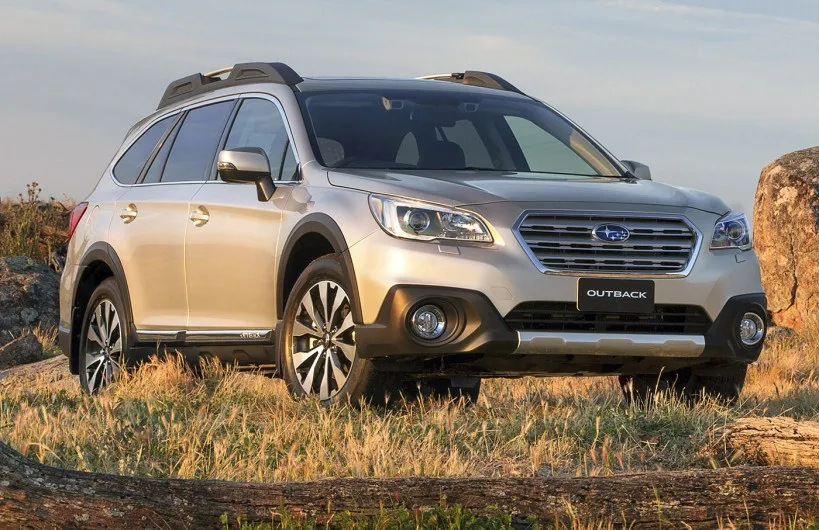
{"points": [[103, 346], [323, 346]]}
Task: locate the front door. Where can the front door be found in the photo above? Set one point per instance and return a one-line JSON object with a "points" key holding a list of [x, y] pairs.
{"points": [[230, 256]]}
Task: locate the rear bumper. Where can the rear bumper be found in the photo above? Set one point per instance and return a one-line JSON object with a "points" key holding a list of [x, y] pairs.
{"points": [[479, 333]]}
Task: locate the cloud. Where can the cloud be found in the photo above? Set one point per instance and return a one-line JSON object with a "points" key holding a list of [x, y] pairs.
{"points": [[688, 10]]}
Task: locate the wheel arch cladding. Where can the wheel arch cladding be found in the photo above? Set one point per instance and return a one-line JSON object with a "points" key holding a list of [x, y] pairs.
{"points": [[316, 235], [99, 263]]}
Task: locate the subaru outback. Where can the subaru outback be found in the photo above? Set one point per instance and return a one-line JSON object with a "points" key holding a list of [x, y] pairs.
{"points": [[357, 236]]}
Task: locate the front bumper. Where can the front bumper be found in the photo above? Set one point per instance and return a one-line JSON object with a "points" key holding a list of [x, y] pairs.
{"points": [[507, 277], [479, 332]]}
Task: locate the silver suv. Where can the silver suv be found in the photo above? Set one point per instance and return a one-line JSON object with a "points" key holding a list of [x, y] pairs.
{"points": [[358, 237]]}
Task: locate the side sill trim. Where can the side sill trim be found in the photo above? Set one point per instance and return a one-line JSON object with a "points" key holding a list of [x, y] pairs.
{"points": [[152, 335], [540, 343], [244, 336], [239, 336]]}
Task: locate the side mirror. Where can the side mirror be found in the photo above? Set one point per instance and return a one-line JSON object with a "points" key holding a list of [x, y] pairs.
{"points": [[641, 171], [247, 165]]}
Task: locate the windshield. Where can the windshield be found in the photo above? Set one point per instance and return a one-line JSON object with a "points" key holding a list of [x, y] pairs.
{"points": [[446, 130]]}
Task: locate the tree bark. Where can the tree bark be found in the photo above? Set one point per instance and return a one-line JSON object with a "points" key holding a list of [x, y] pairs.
{"points": [[773, 441], [38, 496]]}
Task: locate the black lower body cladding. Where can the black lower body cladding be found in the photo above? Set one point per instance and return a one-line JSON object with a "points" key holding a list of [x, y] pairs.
{"points": [[722, 339], [479, 341], [473, 325]]}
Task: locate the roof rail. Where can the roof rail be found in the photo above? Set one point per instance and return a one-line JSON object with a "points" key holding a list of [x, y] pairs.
{"points": [[240, 74], [476, 78]]}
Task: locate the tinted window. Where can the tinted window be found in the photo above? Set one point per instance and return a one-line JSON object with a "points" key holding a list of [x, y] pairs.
{"points": [[408, 151], [154, 173], [289, 166], [466, 136], [446, 130], [544, 152], [259, 124], [130, 165], [194, 148]]}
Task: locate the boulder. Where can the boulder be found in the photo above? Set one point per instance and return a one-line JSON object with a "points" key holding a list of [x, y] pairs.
{"points": [[29, 296], [786, 235], [22, 350], [45, 372]]}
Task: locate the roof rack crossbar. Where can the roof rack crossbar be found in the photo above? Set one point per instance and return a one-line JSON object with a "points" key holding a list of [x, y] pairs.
{"points": [[240, 74], [476, 78]]}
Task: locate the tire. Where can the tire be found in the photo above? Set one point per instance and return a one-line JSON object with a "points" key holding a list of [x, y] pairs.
{"points": [[723, 384], [104, 338], [321, 360]]}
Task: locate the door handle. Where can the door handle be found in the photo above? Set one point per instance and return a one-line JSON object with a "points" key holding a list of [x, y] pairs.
{"points": [[200, 216], [128, 214]]}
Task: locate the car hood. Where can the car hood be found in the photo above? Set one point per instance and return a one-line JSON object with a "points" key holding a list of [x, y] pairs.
{"points": [[461, 188]]}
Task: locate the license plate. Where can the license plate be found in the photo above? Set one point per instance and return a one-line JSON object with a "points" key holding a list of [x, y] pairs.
{"points": [[607, 295]]}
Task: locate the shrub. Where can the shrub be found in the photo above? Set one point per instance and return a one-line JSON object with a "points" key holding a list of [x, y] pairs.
{"points": [[34, 228]]}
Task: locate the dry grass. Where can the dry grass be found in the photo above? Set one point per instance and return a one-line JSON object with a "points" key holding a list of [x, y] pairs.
{"points": [[166, 421], [34, 228]]}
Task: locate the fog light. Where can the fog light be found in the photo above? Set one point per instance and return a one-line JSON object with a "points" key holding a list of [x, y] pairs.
{"points": [[428, 322], [751, 329]]}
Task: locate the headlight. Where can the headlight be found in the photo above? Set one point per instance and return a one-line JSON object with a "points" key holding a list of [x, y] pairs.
{"points": [[423, 221], [732, 231]]}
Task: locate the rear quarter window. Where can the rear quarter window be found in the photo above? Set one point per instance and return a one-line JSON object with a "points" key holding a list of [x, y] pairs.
{"points": [[129, 166]]}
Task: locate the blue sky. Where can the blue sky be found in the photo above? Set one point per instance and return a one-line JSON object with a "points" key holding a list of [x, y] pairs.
{"points": [[705, 92]]}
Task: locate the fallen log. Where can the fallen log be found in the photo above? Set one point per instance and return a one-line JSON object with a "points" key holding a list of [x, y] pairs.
{"points": [[38, 496], [773, 441]]}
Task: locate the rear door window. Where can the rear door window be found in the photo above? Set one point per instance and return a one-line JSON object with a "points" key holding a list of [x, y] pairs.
{"points": [[194, 148], [130, 165]]}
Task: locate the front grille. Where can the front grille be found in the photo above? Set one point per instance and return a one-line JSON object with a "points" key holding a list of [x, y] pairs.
{"points": [[563, 242], [564, 316]]}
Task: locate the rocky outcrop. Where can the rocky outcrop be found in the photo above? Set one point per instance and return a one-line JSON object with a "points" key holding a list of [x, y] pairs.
{"points": [[44, 372], [22, 350], [29, 296], [786, 232]]}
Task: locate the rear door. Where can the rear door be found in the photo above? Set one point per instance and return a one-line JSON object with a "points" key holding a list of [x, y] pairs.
{"points": [[149, 235], [231, 254]]}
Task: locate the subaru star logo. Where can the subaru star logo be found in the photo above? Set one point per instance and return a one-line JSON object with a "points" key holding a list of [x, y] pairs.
{"points": [[610, 233]]}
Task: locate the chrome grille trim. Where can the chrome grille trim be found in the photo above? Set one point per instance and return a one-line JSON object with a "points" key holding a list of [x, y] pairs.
{"points": [[560, 242]]}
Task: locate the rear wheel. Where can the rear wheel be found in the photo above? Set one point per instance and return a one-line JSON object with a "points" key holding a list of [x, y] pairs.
{"points": [[316, 342], [103, 338], [722, 383]]}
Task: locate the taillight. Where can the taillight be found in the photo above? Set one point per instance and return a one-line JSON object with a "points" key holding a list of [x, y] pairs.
{"points": [[74, 218]]}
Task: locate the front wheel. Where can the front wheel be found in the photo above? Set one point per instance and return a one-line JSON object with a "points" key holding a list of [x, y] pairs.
{"points": [[316, 342], [103, 338]]}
